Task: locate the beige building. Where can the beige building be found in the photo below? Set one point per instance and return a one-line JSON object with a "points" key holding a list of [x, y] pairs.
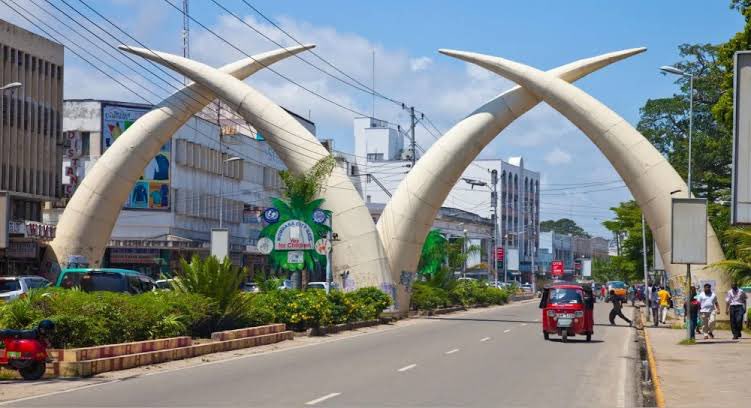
{"points": [[31, 144]]}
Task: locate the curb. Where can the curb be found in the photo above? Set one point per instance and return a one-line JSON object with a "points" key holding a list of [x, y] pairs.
{"points": [[659, 396]]}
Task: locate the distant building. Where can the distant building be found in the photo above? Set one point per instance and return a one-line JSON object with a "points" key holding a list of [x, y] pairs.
{"points": [[385, 161], [452, 222], [31, 145], [172, 209], [572, 250]]}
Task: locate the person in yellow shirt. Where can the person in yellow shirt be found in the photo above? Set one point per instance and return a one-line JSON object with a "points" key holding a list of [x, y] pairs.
{"points": [[664, 298]]}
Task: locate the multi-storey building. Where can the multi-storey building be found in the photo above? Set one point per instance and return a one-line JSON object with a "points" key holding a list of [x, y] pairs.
{"points": [[383, 160], [31, 146], [185, 191]]}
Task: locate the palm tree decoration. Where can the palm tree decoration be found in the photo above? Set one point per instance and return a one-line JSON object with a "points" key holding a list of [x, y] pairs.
{"points": [[434, 253], [739, 268], [300, 192]]}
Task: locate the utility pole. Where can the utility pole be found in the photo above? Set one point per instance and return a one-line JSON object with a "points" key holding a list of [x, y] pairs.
{"points": [[494, 218], [221, 155], [412, 124]]}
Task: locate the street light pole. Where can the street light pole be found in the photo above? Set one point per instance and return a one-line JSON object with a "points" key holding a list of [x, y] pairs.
{"points": [[221, 190], [676, 71], [464, 255], [644, 258]]}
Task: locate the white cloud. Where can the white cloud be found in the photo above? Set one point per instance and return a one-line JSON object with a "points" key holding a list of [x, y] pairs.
{"points": [[556, 157], [420, 64]]}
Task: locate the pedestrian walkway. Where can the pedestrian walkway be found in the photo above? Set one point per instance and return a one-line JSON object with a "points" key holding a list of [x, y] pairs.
{"points": [[708, 373]]}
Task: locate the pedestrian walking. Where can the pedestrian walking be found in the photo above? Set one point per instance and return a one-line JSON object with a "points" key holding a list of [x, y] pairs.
{"points": [[617, 302], [631, 294], [691, 310], [654, 305], [664, 299], [603, 291], [709, 306], [736, 308]]}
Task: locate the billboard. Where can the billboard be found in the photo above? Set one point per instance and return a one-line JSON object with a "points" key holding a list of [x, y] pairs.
{"points": [[512, 257], [740, 209], [689, 231], [556, 268], [152, 190], [586, 268]]}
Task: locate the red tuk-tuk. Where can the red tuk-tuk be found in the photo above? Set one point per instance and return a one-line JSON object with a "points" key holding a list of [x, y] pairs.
{"points": [[567, 310]]}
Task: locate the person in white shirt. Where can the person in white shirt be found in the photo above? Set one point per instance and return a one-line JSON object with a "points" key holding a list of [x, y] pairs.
{"points": [[709, 306], [736, 308]]}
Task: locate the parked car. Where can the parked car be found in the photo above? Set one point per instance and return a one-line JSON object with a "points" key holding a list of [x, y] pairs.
{"points": [[164, 284], [250, 287], [286, 284], [105, 279], [13, 287], [526, 287], [322, 285]]}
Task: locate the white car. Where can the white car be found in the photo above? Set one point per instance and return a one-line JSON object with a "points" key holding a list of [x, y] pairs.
{"points": [[322, 285], [526, 288], [13, 287]]}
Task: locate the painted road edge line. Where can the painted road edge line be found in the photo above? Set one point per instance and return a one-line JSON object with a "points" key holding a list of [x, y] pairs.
{"points": [[405, 368], [485, 339], [324, 398], [451, 351], [659, 396]]}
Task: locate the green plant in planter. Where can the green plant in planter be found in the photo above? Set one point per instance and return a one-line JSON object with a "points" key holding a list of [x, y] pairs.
{"points": [[300, 192]]}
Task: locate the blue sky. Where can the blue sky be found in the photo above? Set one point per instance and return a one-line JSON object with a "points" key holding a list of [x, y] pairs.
{"points": [[405, 36]]}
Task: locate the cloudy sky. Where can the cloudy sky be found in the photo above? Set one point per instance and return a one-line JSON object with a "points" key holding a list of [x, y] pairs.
{"points": [[577, 181]]}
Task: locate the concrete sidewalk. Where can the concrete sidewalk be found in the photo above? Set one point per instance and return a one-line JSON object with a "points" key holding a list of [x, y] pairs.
{"points": [[709, 373]]}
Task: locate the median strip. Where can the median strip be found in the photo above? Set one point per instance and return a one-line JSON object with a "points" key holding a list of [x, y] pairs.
{"points": [[324, 398], [409, 367]]}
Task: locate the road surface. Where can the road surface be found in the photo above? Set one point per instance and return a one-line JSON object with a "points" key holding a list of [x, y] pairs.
{"points": [[494, 357]]}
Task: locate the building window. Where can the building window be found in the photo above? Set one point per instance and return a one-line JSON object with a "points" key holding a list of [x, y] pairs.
{"points": [[375, 157], [85, 144]]}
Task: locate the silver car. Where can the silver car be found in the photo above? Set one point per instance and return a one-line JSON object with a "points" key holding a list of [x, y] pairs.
{"points": [[13, 287]]}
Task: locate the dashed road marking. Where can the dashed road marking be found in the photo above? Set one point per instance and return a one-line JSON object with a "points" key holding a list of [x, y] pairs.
{"points": [[524, 324], [324, 398], [452, 351], [485, 339], [506, 331], [405, 368]]}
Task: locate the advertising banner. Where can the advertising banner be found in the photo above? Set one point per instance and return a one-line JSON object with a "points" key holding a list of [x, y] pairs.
{"points": [[152, 189], [512, 257], [556, 268], [134, 256]]}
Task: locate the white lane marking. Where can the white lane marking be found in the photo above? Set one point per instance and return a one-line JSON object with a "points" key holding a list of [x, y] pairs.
{"points": [[58, 392], [485, 339], [405, 368], [324, 398], [451, 351], [524, 324], [537, 320], [506, 331]]}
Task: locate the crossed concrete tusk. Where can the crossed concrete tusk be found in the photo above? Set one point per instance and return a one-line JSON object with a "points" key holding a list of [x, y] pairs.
{"points": [[647, 174]]}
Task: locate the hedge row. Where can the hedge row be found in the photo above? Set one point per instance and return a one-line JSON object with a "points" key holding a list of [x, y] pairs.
{"points": [[464, 293], [88, 319]]}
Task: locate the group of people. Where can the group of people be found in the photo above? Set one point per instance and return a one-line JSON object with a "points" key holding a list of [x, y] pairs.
{"points": [[701, 308]]}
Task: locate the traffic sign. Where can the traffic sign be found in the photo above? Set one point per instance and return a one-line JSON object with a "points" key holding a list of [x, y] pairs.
{"points": [[499, 253], [556, 268]]}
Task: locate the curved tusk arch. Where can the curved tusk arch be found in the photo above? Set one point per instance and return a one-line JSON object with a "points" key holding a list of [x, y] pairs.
{"points": [[648, 175], [408, 216], [86, 223], [360, 251]]}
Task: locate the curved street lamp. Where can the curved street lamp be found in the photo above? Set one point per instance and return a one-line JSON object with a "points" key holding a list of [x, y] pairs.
{"points": [[11, 86]]}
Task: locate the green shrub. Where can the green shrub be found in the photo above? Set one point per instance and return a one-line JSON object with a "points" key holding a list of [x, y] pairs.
{"points": [[463, 294], [370, 302], [427, 297]]}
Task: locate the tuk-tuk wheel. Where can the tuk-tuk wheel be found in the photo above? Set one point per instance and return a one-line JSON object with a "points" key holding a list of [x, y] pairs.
{"points": [[564, 336], [589, 337], [546, 335]]}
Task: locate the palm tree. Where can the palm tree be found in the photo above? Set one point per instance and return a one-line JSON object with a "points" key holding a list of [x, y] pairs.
{"points": [[739, 244]]}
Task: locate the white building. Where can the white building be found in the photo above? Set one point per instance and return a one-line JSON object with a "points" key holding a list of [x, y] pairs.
{"points": [[381, 155], [172, 209]]}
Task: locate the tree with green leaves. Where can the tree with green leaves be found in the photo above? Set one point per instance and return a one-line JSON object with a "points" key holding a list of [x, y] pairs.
{"points": [[300, 192], [563, 226], [628, 264]]}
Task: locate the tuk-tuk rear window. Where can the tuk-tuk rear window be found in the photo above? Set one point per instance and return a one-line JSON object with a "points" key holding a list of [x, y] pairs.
{"points": [[567, 296]]}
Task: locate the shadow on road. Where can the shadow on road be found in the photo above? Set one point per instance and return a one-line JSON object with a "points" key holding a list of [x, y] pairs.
{"points": [[570, 340], [471, 319]]}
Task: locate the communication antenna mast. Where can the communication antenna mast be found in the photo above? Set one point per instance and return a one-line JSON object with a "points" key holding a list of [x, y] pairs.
{"points": [[186, 34]]}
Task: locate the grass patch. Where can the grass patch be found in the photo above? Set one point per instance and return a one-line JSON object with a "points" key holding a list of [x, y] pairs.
{"points": [[687, 342]]}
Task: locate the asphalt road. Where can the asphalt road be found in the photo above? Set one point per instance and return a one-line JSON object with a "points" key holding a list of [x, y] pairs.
{"points": [[489, 358]]}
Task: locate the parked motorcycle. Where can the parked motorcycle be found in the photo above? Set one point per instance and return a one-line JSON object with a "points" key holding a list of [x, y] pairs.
{"points": [[26, 350]]}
